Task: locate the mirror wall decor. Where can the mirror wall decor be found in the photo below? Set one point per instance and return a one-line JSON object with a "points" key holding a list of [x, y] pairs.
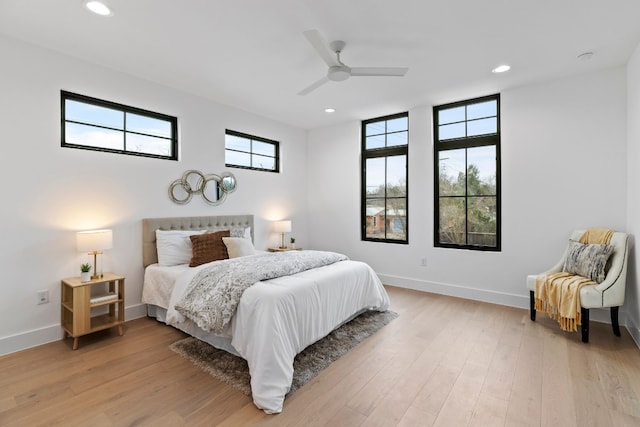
{"points": [[213, 188]]}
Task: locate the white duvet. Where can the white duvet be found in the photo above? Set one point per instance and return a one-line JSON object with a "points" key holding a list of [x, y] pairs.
{"points": [[278, 318]]}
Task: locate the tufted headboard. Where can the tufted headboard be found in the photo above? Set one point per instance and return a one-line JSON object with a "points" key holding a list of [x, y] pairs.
{"points": [[150, 225]]}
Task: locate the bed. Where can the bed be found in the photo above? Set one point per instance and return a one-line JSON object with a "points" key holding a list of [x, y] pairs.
{"points": [[275, 319]]}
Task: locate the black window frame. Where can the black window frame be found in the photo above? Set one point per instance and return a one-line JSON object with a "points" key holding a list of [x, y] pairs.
{"points": [[493, 139], [382, 152], [252, 138], [65, 95]]}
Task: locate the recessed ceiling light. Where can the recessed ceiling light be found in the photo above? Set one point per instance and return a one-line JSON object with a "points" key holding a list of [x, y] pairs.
{"points": [[329, 110], [98, 7], [501, 69]]}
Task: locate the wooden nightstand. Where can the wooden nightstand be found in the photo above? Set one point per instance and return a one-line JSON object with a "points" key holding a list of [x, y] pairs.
{"points": [[284, 249], [77, 304]]}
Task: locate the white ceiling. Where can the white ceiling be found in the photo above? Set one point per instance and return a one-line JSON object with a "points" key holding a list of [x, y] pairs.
{"points": [[252, 54]]}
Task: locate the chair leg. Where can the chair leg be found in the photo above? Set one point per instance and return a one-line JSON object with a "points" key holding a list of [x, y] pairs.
{"points": [[585, 324], [532, 305], [614, 321]]}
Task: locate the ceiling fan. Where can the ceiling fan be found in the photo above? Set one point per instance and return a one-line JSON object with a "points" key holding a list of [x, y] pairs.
{"points": [[338, 71]]}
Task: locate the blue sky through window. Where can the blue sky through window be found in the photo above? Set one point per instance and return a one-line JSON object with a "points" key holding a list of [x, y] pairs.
{"points": [[94, 123]]}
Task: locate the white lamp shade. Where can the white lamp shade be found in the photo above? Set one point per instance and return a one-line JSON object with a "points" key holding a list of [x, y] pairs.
{"points": [[94, 240], [282, 226]]}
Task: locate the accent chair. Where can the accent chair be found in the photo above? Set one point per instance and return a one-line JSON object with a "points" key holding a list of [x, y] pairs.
{"points": [[608, 293]]}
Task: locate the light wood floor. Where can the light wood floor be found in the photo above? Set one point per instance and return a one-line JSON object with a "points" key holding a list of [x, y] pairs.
{"points": [[443, 362]]}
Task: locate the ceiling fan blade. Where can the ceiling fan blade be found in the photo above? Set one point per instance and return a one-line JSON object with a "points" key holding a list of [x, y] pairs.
{"points": [[322, 47], [314, 86], [379, 71]]}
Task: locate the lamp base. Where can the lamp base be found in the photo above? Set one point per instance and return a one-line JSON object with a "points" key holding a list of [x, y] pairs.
{"points": [[95, 265]]}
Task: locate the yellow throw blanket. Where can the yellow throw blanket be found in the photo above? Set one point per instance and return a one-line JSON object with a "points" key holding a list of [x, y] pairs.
{"points": [[596, 236], [558, 294]]}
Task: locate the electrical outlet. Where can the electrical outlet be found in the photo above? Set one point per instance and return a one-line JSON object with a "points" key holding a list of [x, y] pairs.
{"points": [[423, 262], [43, 296]]}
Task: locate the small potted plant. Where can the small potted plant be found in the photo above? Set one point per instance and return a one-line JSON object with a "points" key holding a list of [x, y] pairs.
{"points": [[293, 243], [85, 274]]}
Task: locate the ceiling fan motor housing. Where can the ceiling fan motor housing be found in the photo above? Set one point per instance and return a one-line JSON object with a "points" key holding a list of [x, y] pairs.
{"points": [[338, 73]]}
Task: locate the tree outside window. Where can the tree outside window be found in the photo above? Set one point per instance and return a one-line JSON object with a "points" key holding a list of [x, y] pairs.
{"points": [[467, 174], [384, 179]]}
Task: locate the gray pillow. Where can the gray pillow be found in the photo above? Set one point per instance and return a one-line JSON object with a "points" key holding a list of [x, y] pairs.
{"points": [[588, 261]]}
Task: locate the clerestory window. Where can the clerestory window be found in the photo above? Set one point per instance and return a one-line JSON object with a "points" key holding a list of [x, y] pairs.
{"points": [[251, 152], [94, 124]]}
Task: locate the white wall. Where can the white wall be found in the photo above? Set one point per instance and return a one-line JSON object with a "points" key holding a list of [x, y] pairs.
{"points": [[563, 167], [50, 192], [632, 298]]}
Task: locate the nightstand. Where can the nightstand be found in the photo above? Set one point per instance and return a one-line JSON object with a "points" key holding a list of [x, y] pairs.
{"points": [[78, 303], [284, 249]]}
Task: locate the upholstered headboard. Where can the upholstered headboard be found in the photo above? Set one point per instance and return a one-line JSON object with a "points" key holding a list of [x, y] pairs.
{"points": [[150, 225]]}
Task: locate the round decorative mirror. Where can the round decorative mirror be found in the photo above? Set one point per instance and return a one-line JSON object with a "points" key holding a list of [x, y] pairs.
{"points": [[212, 187], [212, 191], [228, 183]]}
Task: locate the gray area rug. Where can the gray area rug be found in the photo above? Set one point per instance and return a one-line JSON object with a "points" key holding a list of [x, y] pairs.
{"points": [[310, 362]]}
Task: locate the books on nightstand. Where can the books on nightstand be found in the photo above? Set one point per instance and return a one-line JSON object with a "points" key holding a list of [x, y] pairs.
{"points": [[111, 296]]}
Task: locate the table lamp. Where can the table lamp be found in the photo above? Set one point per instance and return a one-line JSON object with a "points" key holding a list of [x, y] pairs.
{"points": [[94, 242], [282, 227]]}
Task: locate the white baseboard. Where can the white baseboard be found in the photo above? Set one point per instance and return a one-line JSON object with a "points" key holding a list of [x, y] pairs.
{"points": [[29, 339], [501, 298], [634, 330], [36, 337], [135, 311], [512, 300]]}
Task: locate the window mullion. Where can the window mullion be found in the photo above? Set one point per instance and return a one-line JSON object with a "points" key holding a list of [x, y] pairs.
{"points": [[385, 194], [124, 131], [466, 196]]}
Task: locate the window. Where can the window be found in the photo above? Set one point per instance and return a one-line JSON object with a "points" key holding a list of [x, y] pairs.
{"points": [[94, 124], [384, 179], [467, 174], [251, 152]]}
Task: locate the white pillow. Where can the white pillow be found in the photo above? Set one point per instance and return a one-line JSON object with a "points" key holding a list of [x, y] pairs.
{"points": [[238, 246], [247, 233], [174, 246], [235, 231]]}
